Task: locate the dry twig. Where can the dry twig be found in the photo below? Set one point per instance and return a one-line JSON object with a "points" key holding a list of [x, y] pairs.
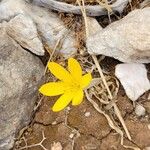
{"points": [[116, 109], [96, 10], [51, 55], [110, 122]]}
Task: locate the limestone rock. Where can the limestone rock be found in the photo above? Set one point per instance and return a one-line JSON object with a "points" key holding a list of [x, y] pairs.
{"points": [[133, 78], [26, 19], [93, 24], [127, 40], [140, 110], [22, 29], [20, 74], [52, 31], [8, 9]]}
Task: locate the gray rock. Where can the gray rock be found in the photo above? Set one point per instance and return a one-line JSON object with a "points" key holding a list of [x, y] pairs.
{"points": [[93, 24], [9, 10], [52, 30], [133, 78], [22, 29], [20, 75], [22, 18], [127, 40], [140, 110]]}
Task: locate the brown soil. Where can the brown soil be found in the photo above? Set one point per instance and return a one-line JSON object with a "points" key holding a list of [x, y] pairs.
{"points": [[82, 127]]}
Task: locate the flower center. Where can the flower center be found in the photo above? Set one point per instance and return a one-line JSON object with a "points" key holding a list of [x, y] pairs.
{"points": [[74, 86]]}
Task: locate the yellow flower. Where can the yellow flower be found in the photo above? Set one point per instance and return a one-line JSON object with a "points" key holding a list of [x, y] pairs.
{"points": [[70, 86]]}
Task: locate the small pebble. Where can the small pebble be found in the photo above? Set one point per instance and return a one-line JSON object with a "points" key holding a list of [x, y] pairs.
{"points": [[68, 108], [87, 114], [139, 110], [56, 146], [54, 123], [71, 135], [133, 77]]}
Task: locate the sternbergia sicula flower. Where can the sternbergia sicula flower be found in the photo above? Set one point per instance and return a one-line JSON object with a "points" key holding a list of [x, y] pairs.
{"points": [[70, 86]]}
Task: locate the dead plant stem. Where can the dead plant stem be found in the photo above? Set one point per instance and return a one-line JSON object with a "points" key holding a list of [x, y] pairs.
{"points": [[116, 109], [51, 55]]}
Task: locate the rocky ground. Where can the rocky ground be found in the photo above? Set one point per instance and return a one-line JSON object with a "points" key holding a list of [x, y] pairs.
{"points": [[32, 35], [83, 128]]}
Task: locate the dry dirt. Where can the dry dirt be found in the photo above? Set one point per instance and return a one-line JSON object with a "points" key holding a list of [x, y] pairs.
{"points": [[83, 128]]}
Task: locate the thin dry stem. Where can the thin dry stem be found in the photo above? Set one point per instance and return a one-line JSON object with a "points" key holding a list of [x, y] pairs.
{"points": [[39, 103], [102, 76], [131, 147], [116, 109], [118, 114], [57, 43], [110, 122], [105, 5], [101, 100], [82, 7]]}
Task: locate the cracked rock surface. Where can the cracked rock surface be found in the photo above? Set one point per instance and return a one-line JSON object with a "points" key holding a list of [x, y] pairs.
{"points": [[18, 88]]}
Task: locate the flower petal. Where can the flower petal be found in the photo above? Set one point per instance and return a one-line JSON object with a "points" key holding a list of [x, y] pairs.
{"points": [[59, 71], [52, 88], [78, 98], [86, 79], [75, 69], [63, 101]]}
